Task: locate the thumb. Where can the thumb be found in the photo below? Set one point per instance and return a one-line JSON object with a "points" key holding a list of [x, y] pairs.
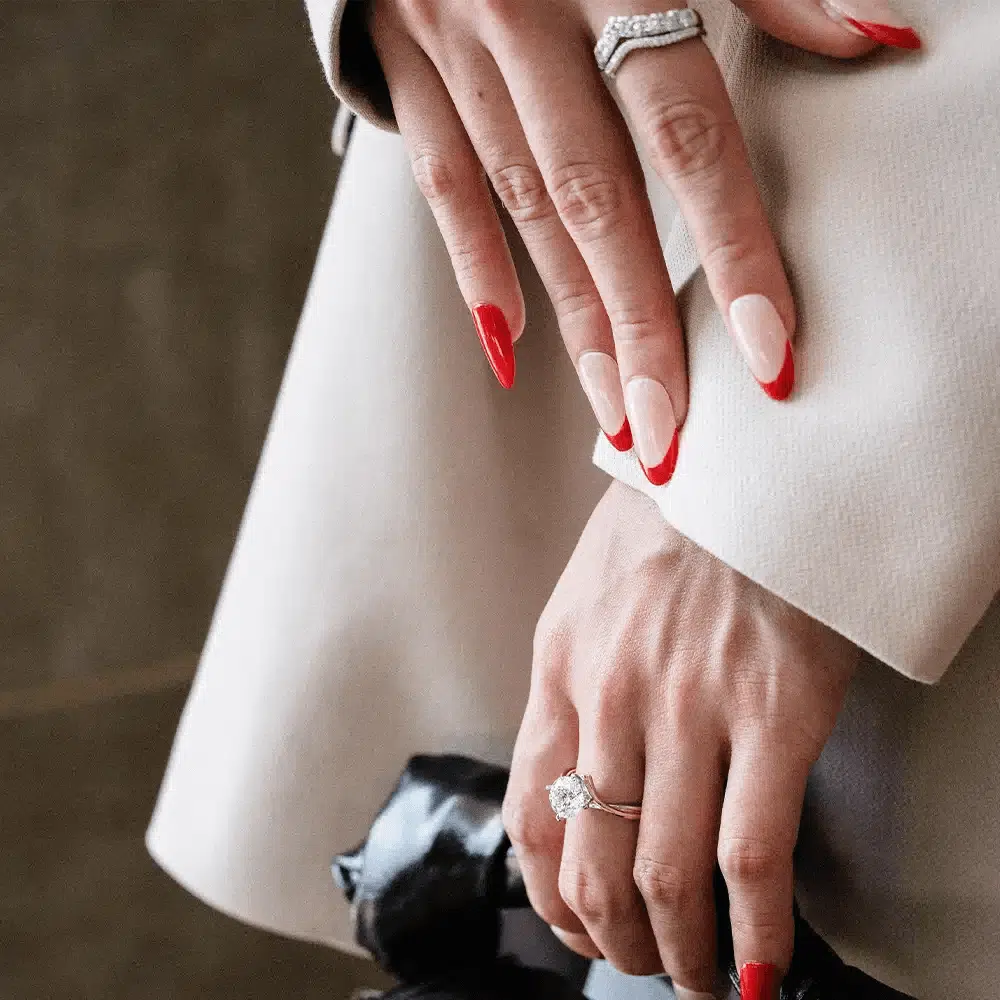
{"points": [[842, 28]]}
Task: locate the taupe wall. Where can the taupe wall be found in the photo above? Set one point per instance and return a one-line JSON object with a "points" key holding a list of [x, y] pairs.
{"points": [[164, 176]]}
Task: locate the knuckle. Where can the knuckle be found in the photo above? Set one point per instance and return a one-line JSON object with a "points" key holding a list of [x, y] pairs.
{"points": [[577, 300], [635, 325], [439, 181], [551, 639], [686, 138], [593, 899], [530, 831], [522, 192], [589, 198], [665, 886], [498, 12], [745, 861], [420, 15], [774, 932], [728, 254]]}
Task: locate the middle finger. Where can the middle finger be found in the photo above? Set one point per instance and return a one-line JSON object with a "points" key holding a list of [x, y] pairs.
{"points": [[592, 173]]}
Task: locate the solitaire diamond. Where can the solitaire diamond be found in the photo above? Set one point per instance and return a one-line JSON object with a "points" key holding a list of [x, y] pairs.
{"points": [[568, 796]]}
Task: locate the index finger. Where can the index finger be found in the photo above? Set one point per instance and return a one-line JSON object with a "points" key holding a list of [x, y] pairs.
{"points": [[546, 746]]}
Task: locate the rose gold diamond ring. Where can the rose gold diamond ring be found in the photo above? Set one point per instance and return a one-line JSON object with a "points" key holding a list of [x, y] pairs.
{"points": [[572, 792]]}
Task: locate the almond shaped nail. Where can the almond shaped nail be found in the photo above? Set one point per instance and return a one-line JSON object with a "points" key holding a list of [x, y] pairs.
{"points": [[498, 345], [654, 428], [874, 19], [759, 981], [602, 383], [763, 339]]}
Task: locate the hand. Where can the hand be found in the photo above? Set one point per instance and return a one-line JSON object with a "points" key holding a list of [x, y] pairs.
{"points": [[677, 682], [507, 93]]}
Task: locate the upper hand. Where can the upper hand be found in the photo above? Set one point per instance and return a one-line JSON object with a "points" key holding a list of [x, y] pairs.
{"points": [[506, 94], [677, 682]]}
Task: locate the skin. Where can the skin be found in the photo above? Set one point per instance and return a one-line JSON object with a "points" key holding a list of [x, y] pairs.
{"points": [[465, 78], [675, 681]]}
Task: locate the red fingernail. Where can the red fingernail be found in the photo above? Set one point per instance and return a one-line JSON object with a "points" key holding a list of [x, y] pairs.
{"points": [[875, 19], [758, 981], [622, 441], [651, 416], [886, 34], [661, 474], [781, 387], [494, 335]]}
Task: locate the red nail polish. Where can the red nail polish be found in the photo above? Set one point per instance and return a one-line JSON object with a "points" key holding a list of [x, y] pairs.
{"points": [[886, 34], [781, 387], [758, 981], [622, 441], [662, 473], [494, 335]]}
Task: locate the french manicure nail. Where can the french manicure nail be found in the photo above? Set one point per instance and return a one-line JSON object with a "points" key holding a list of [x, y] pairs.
{"points": [[494, 335], [764, 341], [874, 19], [654, 428], [601, 381], [682, 993], [759, 981]]}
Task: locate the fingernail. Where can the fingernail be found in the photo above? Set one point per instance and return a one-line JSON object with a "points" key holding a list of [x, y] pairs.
{"points": [[682, 993], [494, 335], [602, 383], [875, 19], [764, 341], [759, 981], [654, 428], [580, 943]]}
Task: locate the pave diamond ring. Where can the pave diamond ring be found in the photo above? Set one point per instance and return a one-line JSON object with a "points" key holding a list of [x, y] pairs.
{"points": [[625, 34], [571, 793]]}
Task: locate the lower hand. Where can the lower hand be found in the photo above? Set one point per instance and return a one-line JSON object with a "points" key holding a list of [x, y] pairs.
{"points": [[677, 682]]}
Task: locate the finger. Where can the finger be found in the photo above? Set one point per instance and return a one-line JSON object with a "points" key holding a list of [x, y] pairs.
{"points": [[599, 851], [450, 177], [760, 819], [487, 112], [546, 746], [675, 857], [592, 173], [580, 943], [678, 103], [842, 28]]}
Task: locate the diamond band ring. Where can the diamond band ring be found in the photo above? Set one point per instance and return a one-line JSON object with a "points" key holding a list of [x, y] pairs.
{"points": [[571, 793], [625, 34]]}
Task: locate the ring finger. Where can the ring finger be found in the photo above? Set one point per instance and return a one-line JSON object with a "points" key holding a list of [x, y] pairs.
{"points": [[677, 101]]}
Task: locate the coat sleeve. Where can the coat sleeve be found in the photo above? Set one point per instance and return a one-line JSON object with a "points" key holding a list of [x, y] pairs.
{"points": [[871, 499], [349, 60]]}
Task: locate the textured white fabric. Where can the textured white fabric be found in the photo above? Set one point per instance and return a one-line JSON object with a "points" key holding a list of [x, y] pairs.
{"points": [[407, 523], [409, 518]]}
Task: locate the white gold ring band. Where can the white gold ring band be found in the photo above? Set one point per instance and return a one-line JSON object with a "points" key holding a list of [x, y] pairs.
{"points": [[625, 34]]}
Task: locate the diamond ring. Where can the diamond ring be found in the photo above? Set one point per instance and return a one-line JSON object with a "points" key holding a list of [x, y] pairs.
{"points": [[625, 34], [571, 793]]}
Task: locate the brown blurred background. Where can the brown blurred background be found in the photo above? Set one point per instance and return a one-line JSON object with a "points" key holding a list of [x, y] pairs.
{"points": [[166, 173]]}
